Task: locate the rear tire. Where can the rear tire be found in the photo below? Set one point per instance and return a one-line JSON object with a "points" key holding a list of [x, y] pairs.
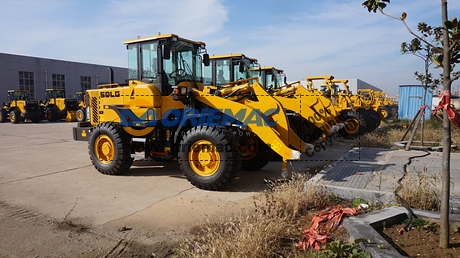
{"points": [[52, 114], [15, 117], [3, 115], [375, 118], [110, 149], [209, 157]]}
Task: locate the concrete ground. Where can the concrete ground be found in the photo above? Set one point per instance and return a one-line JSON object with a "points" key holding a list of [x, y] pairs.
{"points": [[54, 203]]}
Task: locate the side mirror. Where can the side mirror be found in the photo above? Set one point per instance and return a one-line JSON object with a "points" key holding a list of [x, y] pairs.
{"points": [[273, 77], [165, 52], [206, 61], [241, 67], [285, 80]]}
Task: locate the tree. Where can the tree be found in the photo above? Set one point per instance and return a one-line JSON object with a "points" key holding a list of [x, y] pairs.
{"points": [[425, 52], [446, 56]]}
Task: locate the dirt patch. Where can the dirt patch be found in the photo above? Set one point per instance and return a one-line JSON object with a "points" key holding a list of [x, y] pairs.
{"points": [[421, 242]]}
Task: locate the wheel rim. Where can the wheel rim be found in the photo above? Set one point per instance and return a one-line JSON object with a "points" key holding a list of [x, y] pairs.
{"points": [[384, 113], [353, 126], [49, 114], [204, 158], [104, 149], [80, 116], [12, 116], [250, 149]]}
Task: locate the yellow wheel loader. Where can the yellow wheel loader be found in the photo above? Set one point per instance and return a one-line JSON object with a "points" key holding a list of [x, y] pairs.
{"points": [[19, 107], [357, 103], [357, 121], [386, 104], [80, 114], [58, 107], [376, 102], [165, 112], [307, 109], [309, 117]]}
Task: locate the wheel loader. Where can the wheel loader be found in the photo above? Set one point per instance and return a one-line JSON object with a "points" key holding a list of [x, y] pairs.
{"points": [[58, 107], [165, 112], [375, 102], [358, 121], [312, 110], [80, 114], [358, 103], [19, 107], [386, 104], [308, 116]]}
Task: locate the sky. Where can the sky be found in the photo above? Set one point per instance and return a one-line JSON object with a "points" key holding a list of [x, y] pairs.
{"points": [[304, 38]]}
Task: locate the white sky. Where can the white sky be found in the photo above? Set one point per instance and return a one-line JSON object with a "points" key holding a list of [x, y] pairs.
{"points": [[304, 38]]}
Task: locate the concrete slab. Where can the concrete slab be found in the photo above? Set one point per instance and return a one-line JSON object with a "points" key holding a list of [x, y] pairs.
{"points": [[372, 174]]}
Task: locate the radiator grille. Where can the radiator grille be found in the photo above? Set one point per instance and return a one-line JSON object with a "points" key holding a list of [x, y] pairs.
{"points": [[95, 110]]}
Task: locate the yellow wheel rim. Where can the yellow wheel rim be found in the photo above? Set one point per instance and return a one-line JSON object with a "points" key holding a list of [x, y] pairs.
{"points": [[80, 116], [249, 151], [12, 118], [204, 158], [353, 126], [384, 113], [104, 149]]}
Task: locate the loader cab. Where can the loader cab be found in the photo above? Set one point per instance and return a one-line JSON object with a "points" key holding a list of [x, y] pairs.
{"points": [[80, 96], [271, 78], [229, 68], [17, 95], [166, 61], [54, 94]]}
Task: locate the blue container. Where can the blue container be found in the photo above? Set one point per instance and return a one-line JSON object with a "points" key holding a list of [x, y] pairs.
{"points": [[410, 101]]}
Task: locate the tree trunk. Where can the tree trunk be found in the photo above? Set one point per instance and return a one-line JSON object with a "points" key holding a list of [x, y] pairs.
{"points": [[446, 139]]}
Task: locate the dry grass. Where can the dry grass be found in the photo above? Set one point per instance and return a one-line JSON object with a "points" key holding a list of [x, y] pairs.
{"points": [[387, 134], [419, 190], [270, 230]]}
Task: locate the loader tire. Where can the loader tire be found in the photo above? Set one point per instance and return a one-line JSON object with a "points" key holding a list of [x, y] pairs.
{"points": [[110, 149], [356, 124], [37, 118], [15, 117], [385, 112], [2, 115], [52, 114], [304, 129], [376, 120], [255, 153], [209, 157], [81, 115]]}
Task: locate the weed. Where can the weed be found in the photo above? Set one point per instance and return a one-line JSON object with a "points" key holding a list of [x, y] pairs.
{"points": [[338, 249], [420, 192]]}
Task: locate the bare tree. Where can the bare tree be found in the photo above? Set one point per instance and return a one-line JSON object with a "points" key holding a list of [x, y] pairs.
{"points": [[425, 52], [445, 56]]}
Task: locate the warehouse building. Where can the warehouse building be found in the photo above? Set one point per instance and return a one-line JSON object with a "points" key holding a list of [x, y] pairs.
{"points": [[37, 74]]}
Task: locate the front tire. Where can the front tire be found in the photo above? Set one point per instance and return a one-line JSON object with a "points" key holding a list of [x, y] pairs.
{"points": [[81, 115], [356, 124], [110, 149], [255, 153], [209, 157]]}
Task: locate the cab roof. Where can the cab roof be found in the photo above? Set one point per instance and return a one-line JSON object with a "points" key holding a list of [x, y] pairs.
{"points": [[161, 36], [232, 55], [269, 68]]}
